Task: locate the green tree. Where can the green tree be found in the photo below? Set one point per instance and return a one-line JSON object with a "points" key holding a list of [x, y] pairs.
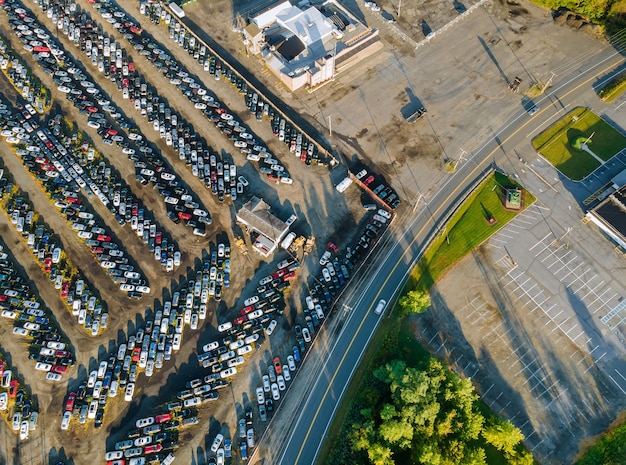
{"points": [[503, 435], [414, 302]]}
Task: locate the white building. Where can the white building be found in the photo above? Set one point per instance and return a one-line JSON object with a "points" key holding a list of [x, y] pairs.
{"points": [[304, 46]]}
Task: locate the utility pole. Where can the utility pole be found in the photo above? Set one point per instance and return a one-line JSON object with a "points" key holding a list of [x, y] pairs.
{"points": [[399, 6], [547, 84]]}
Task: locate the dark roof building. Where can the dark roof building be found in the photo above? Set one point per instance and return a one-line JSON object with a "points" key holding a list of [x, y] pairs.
{"points": [[610, 216]]}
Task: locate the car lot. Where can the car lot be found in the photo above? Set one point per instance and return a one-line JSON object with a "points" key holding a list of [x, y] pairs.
{"points": [[84, 411]]}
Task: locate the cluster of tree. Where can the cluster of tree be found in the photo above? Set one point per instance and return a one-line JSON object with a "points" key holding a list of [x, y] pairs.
{"points": [[430, 416], [610, 449], [608, 13]]}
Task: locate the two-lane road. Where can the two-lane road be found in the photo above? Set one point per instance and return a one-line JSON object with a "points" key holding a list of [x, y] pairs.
{"points": [[334, 357]]}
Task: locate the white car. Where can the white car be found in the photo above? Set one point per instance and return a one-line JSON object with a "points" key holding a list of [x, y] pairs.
{"points": [[143, 441], [113, 455], [92, 379], [194, 321], [143, 289], [210, 346], [130, 390], [251, 300], [43, 366], [286, 373], [65, 423], [93, 408], [291, 363], [220, 456], [217, 442], [326, 275], [275, 392], [53, 376], [260, 396], [192, 402], [143, 422], [306, 335], [319, 311], [270, 328], [280, 380], [384, 213]]}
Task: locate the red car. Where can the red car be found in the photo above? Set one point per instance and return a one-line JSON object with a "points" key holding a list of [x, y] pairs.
{"points": [[158, 238], [65, 289], [278, 366], [239, 320], [69, 405], [104, 238], [289, 276], [369, 180], [60, 369], [247, 309], [47, 265], [152, 448], [13, 389], [1, 367], [136, 354], [163, 417], [184, 216], [332, 247]]}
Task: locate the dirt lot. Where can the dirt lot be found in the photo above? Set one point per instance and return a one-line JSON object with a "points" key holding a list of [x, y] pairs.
{"points": [[366, 105]]}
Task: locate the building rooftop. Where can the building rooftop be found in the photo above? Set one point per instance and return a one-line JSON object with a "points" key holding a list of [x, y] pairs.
{"points": [[256, 215], [610, 215]]}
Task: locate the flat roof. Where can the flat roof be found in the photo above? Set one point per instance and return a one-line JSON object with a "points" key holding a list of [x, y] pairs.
{"points": [[309, 25], [612, 213]]}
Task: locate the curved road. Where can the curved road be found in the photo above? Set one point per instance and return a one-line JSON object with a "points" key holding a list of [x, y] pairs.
{"points": [[335, 358]]}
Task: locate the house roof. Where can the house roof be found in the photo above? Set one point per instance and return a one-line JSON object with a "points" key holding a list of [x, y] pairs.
{"points": [[256, 215]]}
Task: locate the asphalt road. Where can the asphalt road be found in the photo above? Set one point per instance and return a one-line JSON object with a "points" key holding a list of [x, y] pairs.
{"points": [[336, 356]]}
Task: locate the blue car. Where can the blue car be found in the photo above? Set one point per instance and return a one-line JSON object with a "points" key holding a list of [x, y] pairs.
{"points": [[296, 353]]}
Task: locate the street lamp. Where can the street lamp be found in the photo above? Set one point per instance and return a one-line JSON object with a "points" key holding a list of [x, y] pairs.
{"points": [[330, 125]]}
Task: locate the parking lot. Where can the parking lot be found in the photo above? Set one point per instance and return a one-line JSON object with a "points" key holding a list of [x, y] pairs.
{"points": [[539, 325]]}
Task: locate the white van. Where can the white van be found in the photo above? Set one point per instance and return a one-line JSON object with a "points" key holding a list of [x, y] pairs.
{"points": [[287, 241]]}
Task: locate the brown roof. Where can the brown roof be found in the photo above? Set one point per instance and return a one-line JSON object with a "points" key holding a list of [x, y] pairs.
{"points": [[256, 215]]}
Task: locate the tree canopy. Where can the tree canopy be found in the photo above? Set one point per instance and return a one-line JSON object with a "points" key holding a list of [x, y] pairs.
{"points": [[430, 416], [414, 302]]}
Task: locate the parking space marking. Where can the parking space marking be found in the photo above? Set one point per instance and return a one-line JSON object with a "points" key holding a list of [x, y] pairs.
{"points": [[616, 316], [617, 384]]}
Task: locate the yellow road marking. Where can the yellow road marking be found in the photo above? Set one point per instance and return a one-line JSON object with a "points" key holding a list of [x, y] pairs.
{"points": [[308, 433]]}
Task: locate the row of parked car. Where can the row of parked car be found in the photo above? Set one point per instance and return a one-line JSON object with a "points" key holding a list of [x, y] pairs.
{"points": [[170, 125], [81, 301], [48, 160], [19, 302], [92, 101], [336, 270], [298, 142], [16, 403], [153, 344], [229, 124], [121, 201], [383, 191], [25, 82]]}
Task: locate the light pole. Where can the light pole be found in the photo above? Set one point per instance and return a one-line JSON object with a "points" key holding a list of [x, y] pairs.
{"points": [[330, 125]]}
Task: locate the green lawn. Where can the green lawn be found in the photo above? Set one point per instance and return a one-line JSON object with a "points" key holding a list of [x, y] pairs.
{"points": [[467, 229], [555, 143]]}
